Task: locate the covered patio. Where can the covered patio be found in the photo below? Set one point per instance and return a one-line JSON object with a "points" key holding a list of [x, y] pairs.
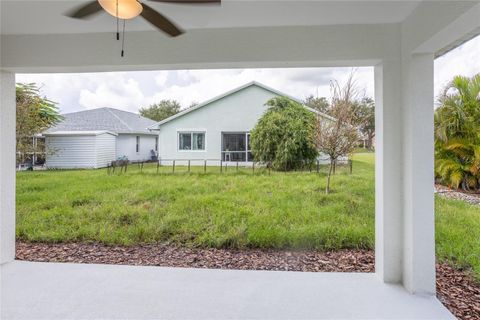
{"points": [[79, 291], [399, 38]]}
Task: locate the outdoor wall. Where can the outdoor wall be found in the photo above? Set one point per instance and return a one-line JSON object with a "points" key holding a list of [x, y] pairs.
{"points": [[126, 146], [238, 112], [79, 151], [104, 149]]}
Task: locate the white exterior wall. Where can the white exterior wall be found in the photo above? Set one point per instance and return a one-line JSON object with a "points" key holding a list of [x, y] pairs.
{"points": [[66, 152], [238, 112], [80, 151], [104, 149], [126, 146], [7, 167]]}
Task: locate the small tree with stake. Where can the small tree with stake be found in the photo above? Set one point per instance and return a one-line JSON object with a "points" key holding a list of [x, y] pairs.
{"points": [[337, 138]]}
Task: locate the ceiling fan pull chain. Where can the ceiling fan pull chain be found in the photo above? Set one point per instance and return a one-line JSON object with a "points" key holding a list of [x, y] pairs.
{"points": [[118, 33], [123, 38]]}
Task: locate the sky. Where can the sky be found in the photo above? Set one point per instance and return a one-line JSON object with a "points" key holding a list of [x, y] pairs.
{"points": [[131, 90]]}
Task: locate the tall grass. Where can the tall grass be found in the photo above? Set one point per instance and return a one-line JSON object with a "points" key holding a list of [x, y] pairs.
{"points": [[233, 209]]}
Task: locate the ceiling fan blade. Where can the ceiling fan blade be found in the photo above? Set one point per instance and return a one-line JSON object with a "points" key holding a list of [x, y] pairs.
{"points": [[160, 21], [84, 11], [190, 1]]}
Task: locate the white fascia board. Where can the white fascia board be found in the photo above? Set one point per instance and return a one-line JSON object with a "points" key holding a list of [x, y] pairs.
{"points": [[138, 133], [79, 133]]}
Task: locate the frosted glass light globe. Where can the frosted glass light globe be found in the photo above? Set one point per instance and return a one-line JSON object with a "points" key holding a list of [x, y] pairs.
{"points": [[127, 9]]}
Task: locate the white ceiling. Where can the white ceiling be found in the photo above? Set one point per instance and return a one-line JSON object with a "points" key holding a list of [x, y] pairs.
{"points": [[46, 17]]}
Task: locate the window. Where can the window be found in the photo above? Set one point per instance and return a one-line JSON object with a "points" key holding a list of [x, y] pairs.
{"points": [[156, 143], [198, 141], [236, 147], [137, 147], [191, 141]]}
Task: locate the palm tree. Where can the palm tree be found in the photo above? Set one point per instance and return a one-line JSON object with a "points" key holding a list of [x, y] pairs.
{"points": [[457, 133]]}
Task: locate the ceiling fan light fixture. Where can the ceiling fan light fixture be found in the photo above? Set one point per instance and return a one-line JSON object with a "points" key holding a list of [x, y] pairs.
{"points": [[127, 9]]}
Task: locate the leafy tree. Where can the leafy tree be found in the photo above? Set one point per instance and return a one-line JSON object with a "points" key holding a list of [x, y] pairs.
{"points": [[457, 133], [35, 114], [364, 119], [337, 138], [193, 104], [283, 136], [363, 111], [320, 104], [162, 110]]}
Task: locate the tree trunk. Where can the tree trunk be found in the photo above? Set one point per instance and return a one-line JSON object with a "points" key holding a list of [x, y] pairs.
{"points": [[370, 142], [327, 189]]}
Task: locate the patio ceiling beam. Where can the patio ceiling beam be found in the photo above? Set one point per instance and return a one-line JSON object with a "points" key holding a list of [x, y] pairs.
{"points": [[439, 26], [344, 45]]}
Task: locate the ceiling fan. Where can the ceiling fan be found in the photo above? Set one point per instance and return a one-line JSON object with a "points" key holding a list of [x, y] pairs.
{"points": [[129, 9]]}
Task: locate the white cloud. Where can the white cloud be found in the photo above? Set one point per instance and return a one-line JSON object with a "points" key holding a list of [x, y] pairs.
{"points": [[161, 78], [132, 90], [123, 94], [201, 85], [464, 60]]}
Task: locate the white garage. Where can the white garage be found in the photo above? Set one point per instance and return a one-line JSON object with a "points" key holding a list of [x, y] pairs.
{"points": [[82, 149]]}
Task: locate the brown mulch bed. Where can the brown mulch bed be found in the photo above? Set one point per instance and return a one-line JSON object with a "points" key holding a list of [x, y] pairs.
{"points": [[173, 256], [458, 292], [456, 289]]}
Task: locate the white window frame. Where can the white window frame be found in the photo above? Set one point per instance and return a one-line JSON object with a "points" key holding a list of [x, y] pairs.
{"points": [[191, 132], [137, 144]]}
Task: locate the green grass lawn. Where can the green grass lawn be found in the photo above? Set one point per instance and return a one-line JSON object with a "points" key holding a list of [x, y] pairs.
{"points": [[230, 210]]}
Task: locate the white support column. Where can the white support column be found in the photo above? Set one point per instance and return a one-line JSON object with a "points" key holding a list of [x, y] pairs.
{"points": [[388, 168], [7, 167], [418, 157], [404, 220]]}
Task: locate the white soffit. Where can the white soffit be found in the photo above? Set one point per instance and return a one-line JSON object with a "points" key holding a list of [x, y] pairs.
{"points": [[44, 17]]}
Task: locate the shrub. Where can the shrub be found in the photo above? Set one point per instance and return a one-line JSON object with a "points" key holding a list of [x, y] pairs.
{"points": [[284, 136], [457, 134]]}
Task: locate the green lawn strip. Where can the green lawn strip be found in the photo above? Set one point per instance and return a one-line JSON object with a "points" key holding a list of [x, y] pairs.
{"points": [[458, 234]]}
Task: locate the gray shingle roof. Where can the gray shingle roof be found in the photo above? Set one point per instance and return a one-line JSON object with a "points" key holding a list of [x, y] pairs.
{"points": [[114, 120]]}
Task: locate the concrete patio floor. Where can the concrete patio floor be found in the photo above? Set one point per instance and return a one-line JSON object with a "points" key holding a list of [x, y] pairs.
{"points": [[33, 290]]}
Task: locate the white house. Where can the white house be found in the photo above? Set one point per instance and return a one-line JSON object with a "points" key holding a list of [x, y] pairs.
{"points": [[93, 138], [218, 129]]}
